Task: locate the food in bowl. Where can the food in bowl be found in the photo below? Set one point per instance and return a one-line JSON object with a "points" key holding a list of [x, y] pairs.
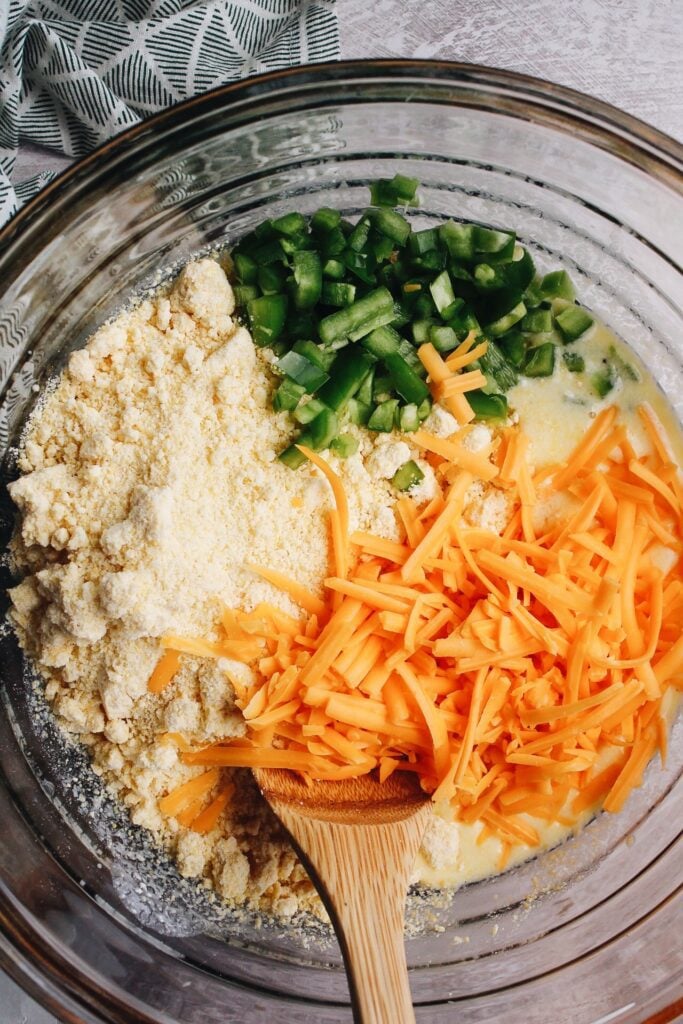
{"points": [[478, 579]]}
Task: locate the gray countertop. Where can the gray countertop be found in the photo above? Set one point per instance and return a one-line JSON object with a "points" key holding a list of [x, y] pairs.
{"points": [[627, 52]]}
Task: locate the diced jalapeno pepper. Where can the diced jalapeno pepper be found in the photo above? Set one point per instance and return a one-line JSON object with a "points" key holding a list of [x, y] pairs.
{"points": [[358, 264], [302, 371], [391, 224], [382, 388], [435, 259], [381, 246], [513, 346], [269, 252], [504, 323], [301, 324], [557, 285], [271, 278], [334, 269], [336, 293], [537, 321], [603, 381], [308, 279], [494, 364], [317, 355], [397, 191], [244, 293], [424, 409], [245, 268], [382, 342], [487, 407], [346, 322], [325, 220], [344, 445], [442, 291], [291, 224], [295, 243], [358, 238], [458, 239], [346, 376], [292, 457], [407, 476], [492, 242], [406, 382], [308, 411], [322, 429], [332, 244], [364, 393], [540, 361], [421, 330], [445, 282], [267, 316], [487, 277], [407, 352], [573, 322], [519, 273], [573, 361], [287, 395], [443, 338], [358, 412], [379, 320], [421, 242], [408, 419], [532, 294], [382, 419]]}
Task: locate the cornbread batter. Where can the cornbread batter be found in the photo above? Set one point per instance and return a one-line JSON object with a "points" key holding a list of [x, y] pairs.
{"points": [[150, 483]]}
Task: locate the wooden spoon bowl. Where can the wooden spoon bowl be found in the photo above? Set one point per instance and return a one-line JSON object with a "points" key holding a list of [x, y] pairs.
{"points": [[358, 840]]}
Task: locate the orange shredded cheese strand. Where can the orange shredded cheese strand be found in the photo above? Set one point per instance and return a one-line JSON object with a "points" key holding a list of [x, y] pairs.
{"points": [[459, 358], [435, 536], [460, 383], [188, 792], [340, 521], [440, 372], [303, 597], [164, 670], [207, 820], [240, 650], [236, 756], [473, 462], [654, 432], [583, 451]]}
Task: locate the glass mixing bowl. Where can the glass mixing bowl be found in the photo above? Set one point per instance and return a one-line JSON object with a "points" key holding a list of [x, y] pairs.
{"points": [[93, 921]]}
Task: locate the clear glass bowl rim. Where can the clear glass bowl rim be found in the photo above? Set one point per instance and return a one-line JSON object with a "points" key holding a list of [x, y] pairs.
{"points": [[26, 956], [599, 122]]}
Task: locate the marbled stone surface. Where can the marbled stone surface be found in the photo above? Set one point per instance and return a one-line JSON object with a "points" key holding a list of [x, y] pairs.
{"points": [[626, 52]]}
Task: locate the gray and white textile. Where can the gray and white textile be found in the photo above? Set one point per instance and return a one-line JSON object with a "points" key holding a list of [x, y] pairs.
{"points": [[74, 73]]}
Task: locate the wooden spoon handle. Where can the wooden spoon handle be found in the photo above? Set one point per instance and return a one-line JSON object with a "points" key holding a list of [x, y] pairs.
{"points": [[361, 873]]}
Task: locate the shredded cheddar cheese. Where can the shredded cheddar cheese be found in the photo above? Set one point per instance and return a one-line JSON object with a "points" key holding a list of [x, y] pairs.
{"points": [[519, 676]]}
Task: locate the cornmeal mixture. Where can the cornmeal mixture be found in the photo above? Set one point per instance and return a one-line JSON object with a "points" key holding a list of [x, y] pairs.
{"points": [[150, 483], [151, 490]]}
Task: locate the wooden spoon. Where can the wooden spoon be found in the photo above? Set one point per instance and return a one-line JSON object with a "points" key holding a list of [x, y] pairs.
{"points": [[358, 841]]}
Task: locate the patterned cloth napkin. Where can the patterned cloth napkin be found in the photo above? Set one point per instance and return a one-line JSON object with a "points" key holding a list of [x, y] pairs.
{"points": [[74, 73]]}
